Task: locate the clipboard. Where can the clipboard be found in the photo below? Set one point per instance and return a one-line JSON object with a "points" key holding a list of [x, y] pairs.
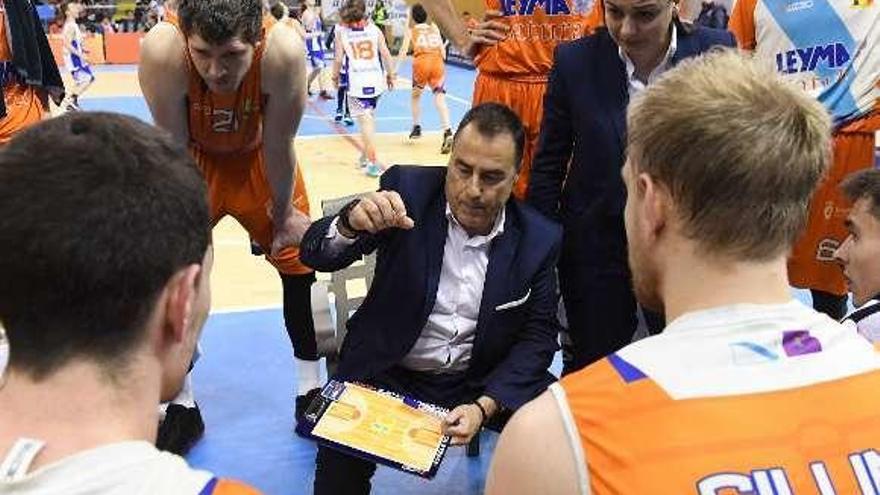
{"points": [[379, 426]]}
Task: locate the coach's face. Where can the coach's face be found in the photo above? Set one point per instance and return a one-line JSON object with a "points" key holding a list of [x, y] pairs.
{"points": [[222, 66], [480, 177]]}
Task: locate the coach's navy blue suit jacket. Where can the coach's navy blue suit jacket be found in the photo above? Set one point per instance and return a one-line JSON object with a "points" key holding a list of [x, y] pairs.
{"points": [[514, 343], [583, 132]]}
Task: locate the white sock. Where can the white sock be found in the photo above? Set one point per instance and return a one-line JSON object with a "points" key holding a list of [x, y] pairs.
{"points": [[308, 375]]}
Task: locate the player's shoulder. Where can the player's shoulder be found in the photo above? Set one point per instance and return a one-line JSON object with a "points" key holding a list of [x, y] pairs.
{"points": [[284, 47], [165, 40], [163, 49]]}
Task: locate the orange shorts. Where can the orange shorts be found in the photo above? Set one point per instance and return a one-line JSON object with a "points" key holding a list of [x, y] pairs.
{"points": [[812, 264], [24, 108], [526, 99], [237, 186], [429, 71]]}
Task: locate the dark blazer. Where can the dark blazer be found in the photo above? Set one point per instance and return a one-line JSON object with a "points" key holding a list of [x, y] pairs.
{"points": [[583, 132], [513, 346]]}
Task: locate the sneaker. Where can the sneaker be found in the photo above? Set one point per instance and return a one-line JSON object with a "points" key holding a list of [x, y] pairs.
{"points": [[362, 162], [416, 132], [338, 117], [347, 120], [446, 147], [303, 402], [180, 430], [373, 169], [324, 95]]}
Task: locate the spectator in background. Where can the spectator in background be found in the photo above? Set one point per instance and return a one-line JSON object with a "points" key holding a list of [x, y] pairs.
{"points": [[713, 15]]}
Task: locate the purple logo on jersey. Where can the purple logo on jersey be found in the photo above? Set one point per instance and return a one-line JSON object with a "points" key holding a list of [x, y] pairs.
{"points": [[800, 342]]}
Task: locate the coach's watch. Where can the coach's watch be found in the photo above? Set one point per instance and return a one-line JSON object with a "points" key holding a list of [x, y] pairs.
{"points": [[344, 221]]}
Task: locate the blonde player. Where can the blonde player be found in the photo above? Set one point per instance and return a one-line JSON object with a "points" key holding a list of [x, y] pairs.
{"points": [[429, 70], [360, 46], [746, 390]]}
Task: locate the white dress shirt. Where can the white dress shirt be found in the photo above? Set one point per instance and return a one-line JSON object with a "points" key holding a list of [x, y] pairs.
{"points": [[447, 339], [634, 85]]}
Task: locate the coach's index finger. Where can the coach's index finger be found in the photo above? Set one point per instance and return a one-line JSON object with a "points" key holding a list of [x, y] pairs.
{"points": [[402, 220]]}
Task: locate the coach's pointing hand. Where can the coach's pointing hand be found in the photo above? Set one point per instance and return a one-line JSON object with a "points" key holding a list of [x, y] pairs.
{"points": [[376, 212]]}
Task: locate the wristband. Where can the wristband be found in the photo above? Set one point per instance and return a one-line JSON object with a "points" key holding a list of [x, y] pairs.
{"points": [[482, 411], [344, 214]]}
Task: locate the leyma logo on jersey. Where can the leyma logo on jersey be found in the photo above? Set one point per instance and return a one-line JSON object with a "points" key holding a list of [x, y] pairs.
{"points": [[549, 7]]}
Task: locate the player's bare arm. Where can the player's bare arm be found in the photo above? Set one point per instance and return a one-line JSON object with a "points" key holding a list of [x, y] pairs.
{"points": [[534, 454], [162, 74], [284, 81], [489, 32], [387, 61]]}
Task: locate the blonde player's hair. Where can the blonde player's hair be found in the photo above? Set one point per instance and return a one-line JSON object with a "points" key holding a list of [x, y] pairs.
{"points": [[740, 150]]}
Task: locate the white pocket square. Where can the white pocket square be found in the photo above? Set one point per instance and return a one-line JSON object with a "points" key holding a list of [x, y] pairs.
{"points": [[513, 304]]}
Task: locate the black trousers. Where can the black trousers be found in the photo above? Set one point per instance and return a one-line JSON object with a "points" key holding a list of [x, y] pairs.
{"points": [[337, 473], [298, 315], [597, 291]]}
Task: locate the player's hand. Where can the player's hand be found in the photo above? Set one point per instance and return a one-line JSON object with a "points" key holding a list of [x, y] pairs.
{"points": [[391, 79], [334, 78], [462, 423], [489, 32], [379, 211], [289, 231]]}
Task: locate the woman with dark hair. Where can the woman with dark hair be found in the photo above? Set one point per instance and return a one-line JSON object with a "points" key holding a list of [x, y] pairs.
{"points": [[575, 174]]}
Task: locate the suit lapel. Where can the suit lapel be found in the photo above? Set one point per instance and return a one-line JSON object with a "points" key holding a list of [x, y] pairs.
{"points": [[436, 226], [497, 285], [614, 96]]}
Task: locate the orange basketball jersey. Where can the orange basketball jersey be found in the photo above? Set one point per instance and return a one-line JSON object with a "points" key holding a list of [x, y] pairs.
{"points": [[764, 400], [536, 27], [226, 140], [426, 41], [23, 104]]}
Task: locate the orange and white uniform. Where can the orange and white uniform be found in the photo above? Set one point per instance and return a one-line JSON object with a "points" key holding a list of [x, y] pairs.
{"points": [[831, 49], [226, 141], [514, 72], [132, 467], [24, 106], [429, 67], [758, 399]]}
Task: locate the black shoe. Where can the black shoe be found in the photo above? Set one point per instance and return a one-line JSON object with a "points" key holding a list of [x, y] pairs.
{"points": [[446, 147], [303, 402], [180, 430], [416, 132], [256, 250]]}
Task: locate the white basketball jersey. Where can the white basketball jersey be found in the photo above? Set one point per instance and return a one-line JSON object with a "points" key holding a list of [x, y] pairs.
{"points": [[366, 77]]}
